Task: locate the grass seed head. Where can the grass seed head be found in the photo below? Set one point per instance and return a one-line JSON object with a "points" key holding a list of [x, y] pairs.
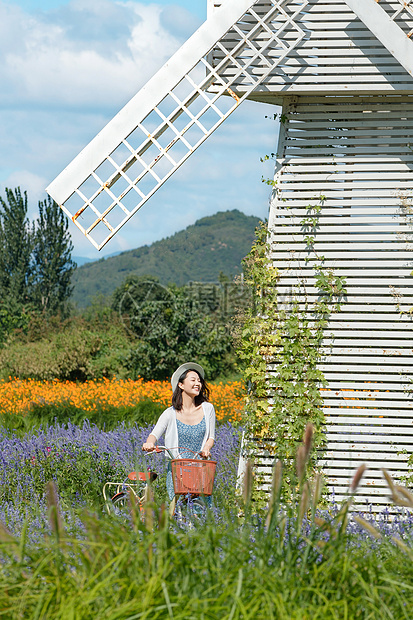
{"points": [[300, 462], [308, 439], [368, 527], [390, 482], [402, 545], [5, 534], [55, 518], [277, 477], [402, 497], [148, 508], [357, 478], [304, 502], [317, 489]]}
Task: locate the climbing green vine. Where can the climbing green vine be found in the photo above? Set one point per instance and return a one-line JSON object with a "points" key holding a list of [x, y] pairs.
{"points": [[281, 345]]}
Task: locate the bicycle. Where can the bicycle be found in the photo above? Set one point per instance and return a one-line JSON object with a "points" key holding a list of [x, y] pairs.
{"points": [[193, 479], [136, 483]]}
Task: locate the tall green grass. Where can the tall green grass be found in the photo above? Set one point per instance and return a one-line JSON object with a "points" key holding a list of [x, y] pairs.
{"points": [[287, 563], [220, 570]]}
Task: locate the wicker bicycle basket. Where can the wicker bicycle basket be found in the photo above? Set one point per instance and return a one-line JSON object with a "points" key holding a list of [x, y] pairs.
{"points": [[193, 476]]}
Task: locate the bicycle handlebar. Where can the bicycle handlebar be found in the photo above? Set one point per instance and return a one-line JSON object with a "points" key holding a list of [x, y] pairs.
{"points": [[159, 449]]}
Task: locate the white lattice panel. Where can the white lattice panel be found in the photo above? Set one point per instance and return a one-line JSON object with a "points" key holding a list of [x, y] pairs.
{"points": [[357, 154], [173, 115], [338, 52]]}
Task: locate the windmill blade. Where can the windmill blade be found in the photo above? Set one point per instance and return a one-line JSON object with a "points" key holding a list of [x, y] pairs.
{"points": [[174, 113], [384, 26]]}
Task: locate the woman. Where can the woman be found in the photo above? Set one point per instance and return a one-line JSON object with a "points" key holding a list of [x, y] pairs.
{"points": [[190, 422]]}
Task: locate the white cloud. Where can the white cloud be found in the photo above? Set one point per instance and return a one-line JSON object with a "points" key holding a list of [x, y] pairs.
{"points": [[89, 53], [66, 72]]}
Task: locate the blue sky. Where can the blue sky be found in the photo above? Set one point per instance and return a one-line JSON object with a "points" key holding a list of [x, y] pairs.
{"points": [[67, 68]]}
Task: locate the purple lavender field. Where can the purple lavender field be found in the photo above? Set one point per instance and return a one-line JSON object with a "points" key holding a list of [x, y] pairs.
{"points": [[80, 459]]}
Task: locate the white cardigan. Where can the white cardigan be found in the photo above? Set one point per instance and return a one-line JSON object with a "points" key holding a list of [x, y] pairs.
{"points": [[167, 424]]}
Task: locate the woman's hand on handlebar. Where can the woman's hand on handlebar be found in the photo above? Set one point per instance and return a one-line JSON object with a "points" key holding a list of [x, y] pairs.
{"points": [[206, 450], [149, 445]]}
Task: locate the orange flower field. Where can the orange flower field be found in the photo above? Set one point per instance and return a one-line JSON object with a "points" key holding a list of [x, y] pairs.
{"points": [[17, 396]]}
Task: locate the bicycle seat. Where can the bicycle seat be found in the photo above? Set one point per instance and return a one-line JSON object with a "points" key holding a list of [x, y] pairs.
{"points": [[143, 476]]}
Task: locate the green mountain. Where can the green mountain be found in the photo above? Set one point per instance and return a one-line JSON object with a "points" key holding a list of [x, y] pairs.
{"points": [[199, 253]]}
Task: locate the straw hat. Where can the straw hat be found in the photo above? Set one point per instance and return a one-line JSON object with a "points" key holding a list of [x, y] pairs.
{"points": [[182, 368]]}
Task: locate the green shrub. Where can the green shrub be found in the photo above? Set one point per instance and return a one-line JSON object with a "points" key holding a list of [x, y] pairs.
{"points": [[66, 356], [75, 353], [101, 343]]}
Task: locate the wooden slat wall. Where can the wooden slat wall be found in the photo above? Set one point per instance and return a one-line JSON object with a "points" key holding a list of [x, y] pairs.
{"points": [[337, 53], [357, 153], [355, 150]]}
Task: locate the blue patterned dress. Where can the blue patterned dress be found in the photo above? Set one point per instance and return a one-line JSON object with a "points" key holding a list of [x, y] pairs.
{"points": [[189, 436]]}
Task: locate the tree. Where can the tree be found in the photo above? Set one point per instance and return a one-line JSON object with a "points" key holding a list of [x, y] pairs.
{"points": [[15, 249], [169, 327], [52, 263]]}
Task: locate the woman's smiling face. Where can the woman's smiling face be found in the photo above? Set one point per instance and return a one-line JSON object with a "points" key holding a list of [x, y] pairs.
{"points": [[191, 385]]}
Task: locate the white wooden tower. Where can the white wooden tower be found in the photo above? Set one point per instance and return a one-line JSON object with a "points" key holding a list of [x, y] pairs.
{"points": [[342, 70]]}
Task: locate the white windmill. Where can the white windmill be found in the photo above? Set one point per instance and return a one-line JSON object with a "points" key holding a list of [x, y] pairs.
{"points": [[342, 70]]}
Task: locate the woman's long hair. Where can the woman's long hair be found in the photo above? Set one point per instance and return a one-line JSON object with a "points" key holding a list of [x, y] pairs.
{"points": [[202, 397]]}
